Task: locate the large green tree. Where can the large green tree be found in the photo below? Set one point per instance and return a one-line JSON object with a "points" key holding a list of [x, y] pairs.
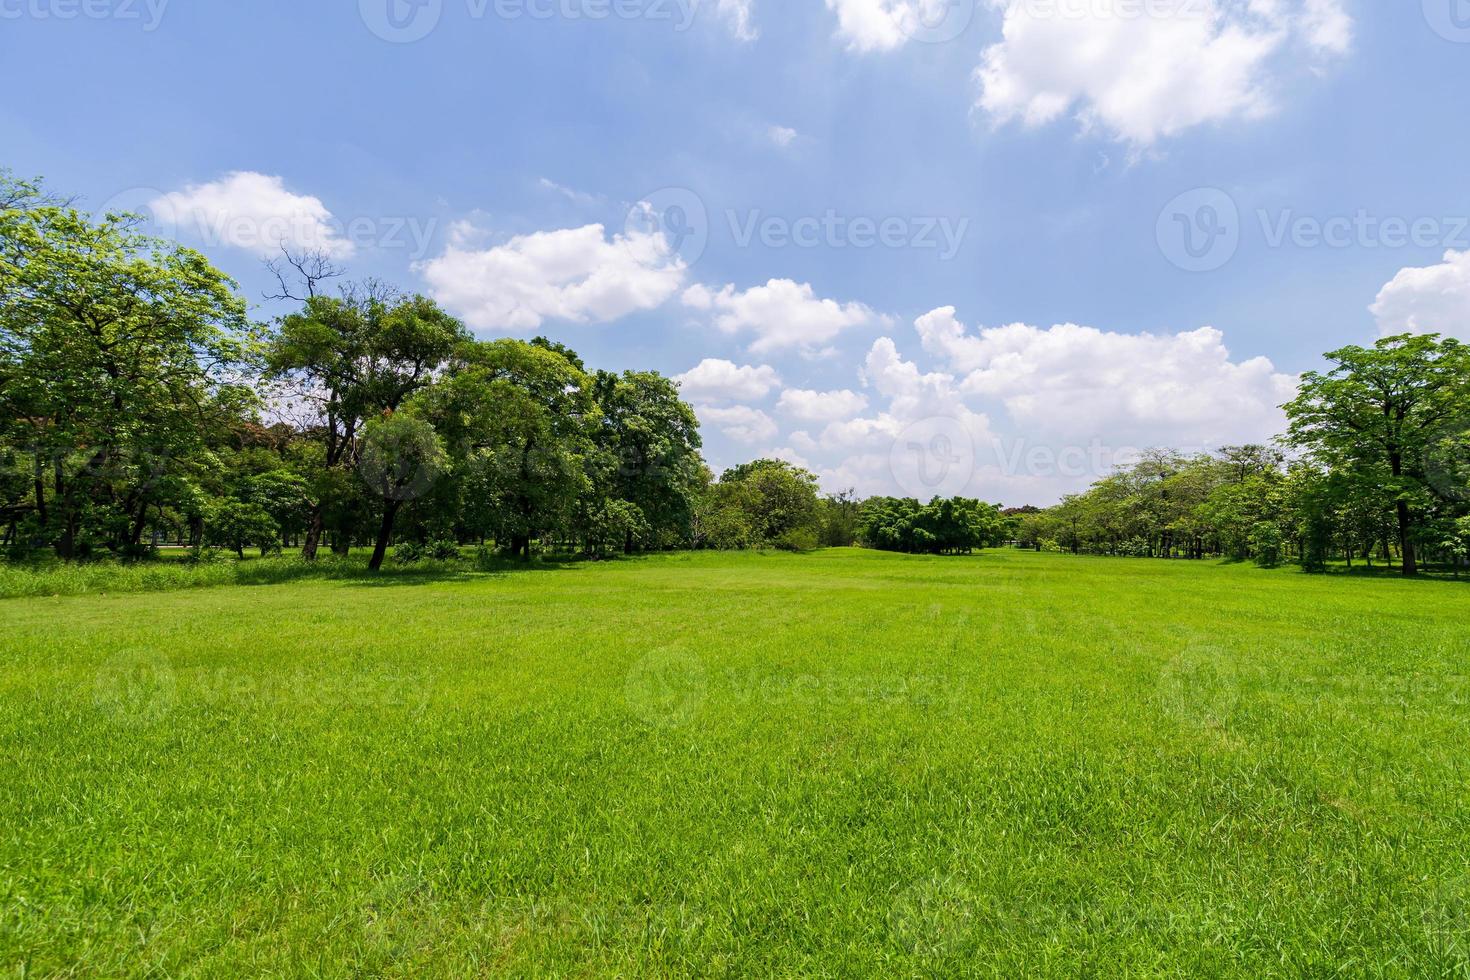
{"points": [[350, 358], [1380, 410], [521, 416], [120, 355]]}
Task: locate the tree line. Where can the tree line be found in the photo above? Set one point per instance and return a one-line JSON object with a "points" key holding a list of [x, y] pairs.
{"points": [[1374, 467], [139, 405]]}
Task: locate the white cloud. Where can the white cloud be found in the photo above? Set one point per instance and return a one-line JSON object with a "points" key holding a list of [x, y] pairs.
{"points": [[820, 406], [1147, 70], [714, 379], [783, 136], [781, 314], [576, 274], [736, 14], [1023, 414], [789, 455], [579, 198], [882, 25], [254, 212], [740, 422], [1080, 383], [1433, 299]]}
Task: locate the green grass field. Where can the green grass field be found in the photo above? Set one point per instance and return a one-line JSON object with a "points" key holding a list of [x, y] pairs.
{"points": [[838, 764]]}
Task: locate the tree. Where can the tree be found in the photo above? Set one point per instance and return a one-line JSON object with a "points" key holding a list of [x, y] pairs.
{"points": [[1380, 409], [121, 356], [351, 358], [647, 443], [774, 502], [235, 524], [521, 416], [402, 458]]}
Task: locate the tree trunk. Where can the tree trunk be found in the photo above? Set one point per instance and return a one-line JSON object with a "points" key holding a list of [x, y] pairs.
{"points": [[40, 476], [385, 532], [313, 534], [135, 535], [1411, 564]]}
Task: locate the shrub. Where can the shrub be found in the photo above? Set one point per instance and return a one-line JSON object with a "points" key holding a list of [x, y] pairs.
{"points": [[796, 539], [442, 550], [409, 553]]}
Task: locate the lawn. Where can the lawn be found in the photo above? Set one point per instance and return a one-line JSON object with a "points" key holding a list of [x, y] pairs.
{"points": [[837, 764]]}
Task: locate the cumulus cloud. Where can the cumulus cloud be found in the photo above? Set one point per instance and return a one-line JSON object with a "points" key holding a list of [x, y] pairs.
{"points": [[1024, 414], [713, 379], [781, 314], [740, 422], [820, 406], [882, 25], [1079, 382], [1432, 299], [579, 275], [1143, 71], [254, 212]]}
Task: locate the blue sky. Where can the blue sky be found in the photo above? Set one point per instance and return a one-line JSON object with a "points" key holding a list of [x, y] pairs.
{"points": [[1033, 164]]}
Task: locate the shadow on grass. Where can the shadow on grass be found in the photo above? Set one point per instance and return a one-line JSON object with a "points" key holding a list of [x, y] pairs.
{"points": [[52, 578]]}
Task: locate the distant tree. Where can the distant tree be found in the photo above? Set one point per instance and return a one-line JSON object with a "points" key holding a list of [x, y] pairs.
{"points": [[773, 501], [236, 524]]}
